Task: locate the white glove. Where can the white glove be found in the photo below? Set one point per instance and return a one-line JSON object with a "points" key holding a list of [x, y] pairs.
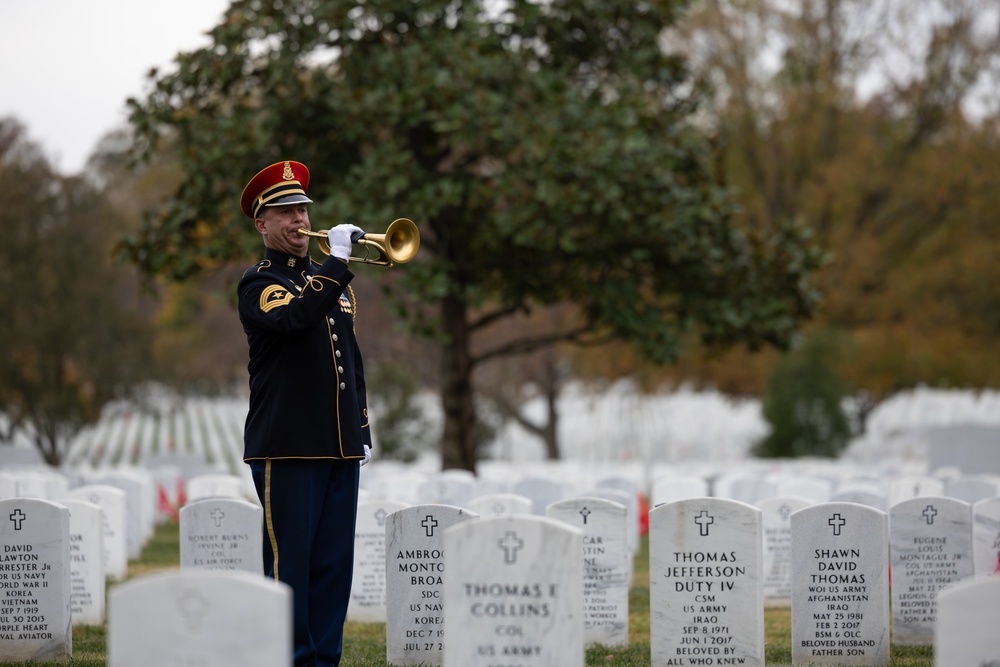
{"points": [[340, 240], [368, 455]]}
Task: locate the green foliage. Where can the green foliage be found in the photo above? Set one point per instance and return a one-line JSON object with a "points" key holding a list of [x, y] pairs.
{"points": [[545, 151], [401, 428], [804, 402], [73, 334]]}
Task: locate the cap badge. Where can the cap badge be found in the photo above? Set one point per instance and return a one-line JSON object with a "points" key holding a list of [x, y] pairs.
{"points": [[287, 173]]}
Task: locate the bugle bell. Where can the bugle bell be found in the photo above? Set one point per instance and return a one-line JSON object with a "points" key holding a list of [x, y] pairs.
{"points": [[397, 246]]}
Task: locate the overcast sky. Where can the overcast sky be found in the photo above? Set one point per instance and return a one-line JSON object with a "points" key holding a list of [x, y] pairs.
{"points": [[69, 65]]}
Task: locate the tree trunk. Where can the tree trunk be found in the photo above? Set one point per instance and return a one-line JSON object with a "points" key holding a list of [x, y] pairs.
{"points": [[458, 440]]}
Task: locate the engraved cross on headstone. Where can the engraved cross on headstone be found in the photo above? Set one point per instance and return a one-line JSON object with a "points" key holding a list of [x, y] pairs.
{"points": [[192, 606], [704, 521], [218, 515], [429, 523], [785, 511], [510, 544], [17, 517], [929, 514], [585, 513], [498, 508], [837, 522], [380, 516]]}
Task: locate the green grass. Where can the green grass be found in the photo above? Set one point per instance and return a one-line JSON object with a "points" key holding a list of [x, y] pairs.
{"points": [[364, 643]]}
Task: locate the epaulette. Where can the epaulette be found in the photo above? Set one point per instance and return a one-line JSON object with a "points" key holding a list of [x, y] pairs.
{"points": [[262, 264]]}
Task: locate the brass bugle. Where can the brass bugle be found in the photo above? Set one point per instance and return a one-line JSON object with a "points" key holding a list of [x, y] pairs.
{"points": [[397, 246]]}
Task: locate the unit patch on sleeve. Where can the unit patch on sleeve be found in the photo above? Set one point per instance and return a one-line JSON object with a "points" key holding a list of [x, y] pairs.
{"points": [[274, 296]]}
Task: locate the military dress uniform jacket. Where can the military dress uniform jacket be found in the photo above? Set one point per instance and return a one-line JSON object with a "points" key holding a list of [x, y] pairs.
{"points": [[307, 386]]}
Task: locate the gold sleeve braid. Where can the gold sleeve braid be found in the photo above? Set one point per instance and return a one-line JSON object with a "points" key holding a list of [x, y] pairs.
{"points": [[354, 303]]}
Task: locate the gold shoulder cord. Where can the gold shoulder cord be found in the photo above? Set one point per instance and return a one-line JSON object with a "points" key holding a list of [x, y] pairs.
{"points": [[354, 302]]}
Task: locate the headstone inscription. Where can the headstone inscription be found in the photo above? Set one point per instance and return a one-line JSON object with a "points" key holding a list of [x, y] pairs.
{"points": [[219, 533], [840, 585], [986, 537], [776, 516], [705, 583], [631, 504], [930, 542], [513, 593], [606, 571], [112, 501], [198, 617], [965, 634], [35, 616], [414, 574], [86, 562], [368, 592]]}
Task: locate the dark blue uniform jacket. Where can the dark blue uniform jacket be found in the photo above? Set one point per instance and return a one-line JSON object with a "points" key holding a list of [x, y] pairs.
{"points": [[307, 386]]}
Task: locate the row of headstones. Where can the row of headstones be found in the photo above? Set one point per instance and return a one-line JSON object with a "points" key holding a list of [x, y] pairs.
{"points": [[875, 492], [459, 487], [399, 566], [208, 429], [518, 592]]}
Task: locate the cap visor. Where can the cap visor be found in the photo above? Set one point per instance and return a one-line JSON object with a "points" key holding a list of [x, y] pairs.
{"points": [[289, 199]]}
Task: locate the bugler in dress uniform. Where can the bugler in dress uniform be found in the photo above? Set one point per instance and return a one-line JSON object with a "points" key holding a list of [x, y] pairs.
{"points": [[307, 423]]}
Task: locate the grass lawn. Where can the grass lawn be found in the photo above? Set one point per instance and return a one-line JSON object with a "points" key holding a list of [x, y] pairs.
{"points": [[364, 643]]}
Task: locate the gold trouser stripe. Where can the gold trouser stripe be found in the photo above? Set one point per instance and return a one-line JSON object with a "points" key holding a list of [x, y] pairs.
{"points": [[267, 515]]}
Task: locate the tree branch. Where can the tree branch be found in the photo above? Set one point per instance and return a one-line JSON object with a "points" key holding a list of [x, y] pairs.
{"points": [[498, 314], [526, 345]]}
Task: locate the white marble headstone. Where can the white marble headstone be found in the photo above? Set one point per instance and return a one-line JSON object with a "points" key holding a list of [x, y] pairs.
{"points": [[135, 514], [513, 593], [414, 565], [861, 495], [668, 489], [86, 562], [542, 491], [606, 560], [907, 487], [112, 501], [840, 585], [986, 537], [500, 504], [776, 513], [965, 634], [200, 617], [930, 541], [706, 596], [446, 489], [631, 503], [35, 616], [219, 533], [33, 484], [215, 485], [971, 489], [368, 590]]}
